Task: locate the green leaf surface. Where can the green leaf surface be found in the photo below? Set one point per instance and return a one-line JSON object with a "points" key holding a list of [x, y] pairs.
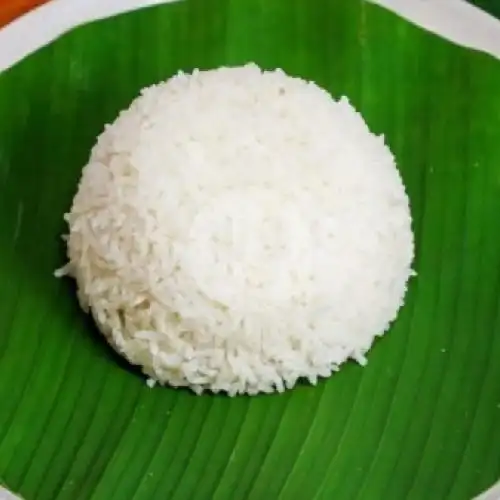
{"points": [[420, 422], [490, 6]]}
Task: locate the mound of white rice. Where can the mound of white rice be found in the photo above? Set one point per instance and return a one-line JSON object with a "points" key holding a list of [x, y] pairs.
{"points": [[236, 230]]}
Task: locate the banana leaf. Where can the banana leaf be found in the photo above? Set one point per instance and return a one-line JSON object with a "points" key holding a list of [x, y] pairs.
{"points": [[421, 421], [490, 6]]}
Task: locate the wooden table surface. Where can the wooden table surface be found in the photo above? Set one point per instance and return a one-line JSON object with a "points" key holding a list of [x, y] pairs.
{"points": [[10, 9]]}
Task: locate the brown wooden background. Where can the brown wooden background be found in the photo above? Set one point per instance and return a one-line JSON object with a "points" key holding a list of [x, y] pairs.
{"points": [[10, 9]]}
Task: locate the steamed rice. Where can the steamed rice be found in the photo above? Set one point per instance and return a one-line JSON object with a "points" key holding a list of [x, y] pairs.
{"points": [[236, 230]]}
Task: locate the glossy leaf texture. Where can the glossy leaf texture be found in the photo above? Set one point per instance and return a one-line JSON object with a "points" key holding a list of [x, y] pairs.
{"points": [[421, 421]]}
